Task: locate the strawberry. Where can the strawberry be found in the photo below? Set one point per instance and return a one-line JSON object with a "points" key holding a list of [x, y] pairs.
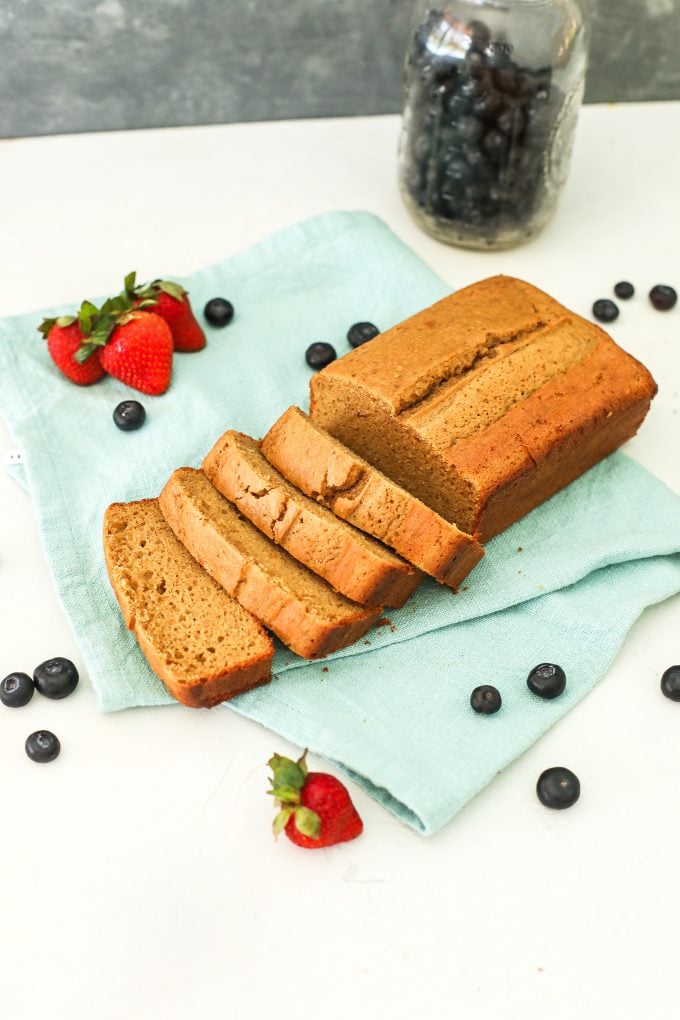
{"points": [[66, 336], [316, 810], [170, 301], [139, 352]]}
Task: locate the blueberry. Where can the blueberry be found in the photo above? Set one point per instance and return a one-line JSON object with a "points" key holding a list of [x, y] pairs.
{"points": [[558, 788], [361, 332], [16, 690], [605, 310], [485, 699], [547, 680], [663, 297], [487, 105], [624, 290], [42, 746], [494, 144], [319, 355], [457, 171], [470, 129], [457, 106], [475, 191], [55, 678], [129, 415], [219, 312], [472, 88], [475, 64], [510, 120], [479, 33], [670, 683]]}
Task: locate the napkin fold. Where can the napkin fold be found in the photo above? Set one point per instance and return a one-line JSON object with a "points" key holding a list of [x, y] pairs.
{"points": [[562, 585]]}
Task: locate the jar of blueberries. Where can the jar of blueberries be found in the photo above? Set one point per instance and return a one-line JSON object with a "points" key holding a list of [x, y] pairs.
{"points": [[492, 92]]}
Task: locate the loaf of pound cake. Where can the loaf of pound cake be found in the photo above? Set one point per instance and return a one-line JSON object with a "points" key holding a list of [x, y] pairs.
{"points": [[199, 641], [486, 403]]}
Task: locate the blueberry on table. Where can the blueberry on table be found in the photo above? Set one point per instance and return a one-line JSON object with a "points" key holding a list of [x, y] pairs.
{"points": [[663, 297], [547, 680], [42, 746], [558, 788], [605, 310], [624, 290], [361, 332], [55, 678], [319, 355], [129, 415], [219, 312], [670, 683], [16, 690], [485, 699]]}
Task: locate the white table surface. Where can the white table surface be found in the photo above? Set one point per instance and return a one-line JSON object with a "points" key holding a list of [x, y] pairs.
{"points": [[138, 874]]}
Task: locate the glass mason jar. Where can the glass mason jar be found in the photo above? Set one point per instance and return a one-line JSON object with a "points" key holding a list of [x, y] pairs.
{"points": [[492, 92]]}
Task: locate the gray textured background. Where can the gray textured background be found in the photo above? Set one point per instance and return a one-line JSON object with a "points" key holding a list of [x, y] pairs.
{"points": [[85, 65]]}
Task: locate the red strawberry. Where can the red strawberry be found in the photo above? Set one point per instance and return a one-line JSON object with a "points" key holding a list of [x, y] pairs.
{"points": [[65, 338], [170, 301], [139, 352], [316, 810]]}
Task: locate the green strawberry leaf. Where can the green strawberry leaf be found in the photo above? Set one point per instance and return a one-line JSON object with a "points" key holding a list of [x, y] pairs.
{"points": [[61, 321], [279, 823], [302, 763], [149, 302], [286, 794], [84, 352], [88, 312], [129, 283], [175, 290], [45, 326], [307, 822], [286, 772]]}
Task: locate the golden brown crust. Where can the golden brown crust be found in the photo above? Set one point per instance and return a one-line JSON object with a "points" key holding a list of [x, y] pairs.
{"points": [[352, 563], [487, 403], [157, 585], [331, 474], [301, 608]]}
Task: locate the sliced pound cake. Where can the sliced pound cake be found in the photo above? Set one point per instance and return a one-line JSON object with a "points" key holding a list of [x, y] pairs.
{"points": [[486, 403], [301, 608], [333, 475], [354, 564], [201, 643]]}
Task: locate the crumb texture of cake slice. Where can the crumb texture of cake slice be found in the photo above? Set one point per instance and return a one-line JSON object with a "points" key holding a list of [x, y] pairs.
{"points": [[486, 403], [330, 473], [354, 564], [202, 644], [298, 606]]}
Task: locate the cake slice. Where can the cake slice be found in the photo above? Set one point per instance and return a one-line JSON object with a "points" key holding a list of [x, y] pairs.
{"points": [[301, 608], [354, 564], [330, 473], [201, 643]]}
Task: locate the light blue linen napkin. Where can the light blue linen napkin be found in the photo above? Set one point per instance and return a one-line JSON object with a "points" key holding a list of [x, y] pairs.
{"points": [[563, 585]]}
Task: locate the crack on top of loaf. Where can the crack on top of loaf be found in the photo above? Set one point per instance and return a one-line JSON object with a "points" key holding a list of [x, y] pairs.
{"points": [[258, 493], [354, 484], [242, 578], [426, 387], [528, 452]]}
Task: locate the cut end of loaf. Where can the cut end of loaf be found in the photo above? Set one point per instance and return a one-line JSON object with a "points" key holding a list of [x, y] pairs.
{"points": [[198, 640]]}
